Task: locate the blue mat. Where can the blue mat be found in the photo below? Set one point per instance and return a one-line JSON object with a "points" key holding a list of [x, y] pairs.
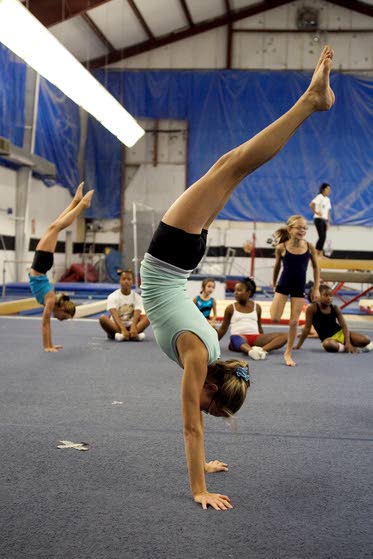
{"points": [[300, 460]]}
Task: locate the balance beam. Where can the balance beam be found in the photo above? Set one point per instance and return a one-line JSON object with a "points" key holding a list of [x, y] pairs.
{"points": [[347, 277], [344, 264], [90, 308], [14, 307], [355, 272]]}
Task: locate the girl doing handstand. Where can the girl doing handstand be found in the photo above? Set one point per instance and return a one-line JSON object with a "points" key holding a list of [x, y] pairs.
{"points": [[216, 387], [58, 305]]}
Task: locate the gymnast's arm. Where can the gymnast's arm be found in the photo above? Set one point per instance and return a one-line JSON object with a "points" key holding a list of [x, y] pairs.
{"points": [[214, 314], [193, 354], [316, 273], [307, 327], [259, 314], [49, 303], [119, 324], [277, 266], [226, 321]]}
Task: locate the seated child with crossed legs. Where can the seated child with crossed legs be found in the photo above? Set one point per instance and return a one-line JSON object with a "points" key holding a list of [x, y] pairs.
{"points": [[244, 317], [125, 307], [331, 327]]}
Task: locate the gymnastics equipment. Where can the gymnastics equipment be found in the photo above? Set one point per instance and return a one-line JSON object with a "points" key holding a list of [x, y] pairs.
{"points": [[14, 307], [249, 248], [347, 271], [366, 305], [3, 293], [138, 252], [20, 305], [90, 308]]}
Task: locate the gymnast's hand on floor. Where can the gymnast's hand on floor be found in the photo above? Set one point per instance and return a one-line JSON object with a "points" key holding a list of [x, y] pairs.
{"points": [[53, 349], [215, 466], [215, 500], [350, 348]]}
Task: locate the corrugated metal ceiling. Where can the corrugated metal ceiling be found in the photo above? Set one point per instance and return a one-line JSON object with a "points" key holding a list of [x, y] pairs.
{"points": [[99, 32]]}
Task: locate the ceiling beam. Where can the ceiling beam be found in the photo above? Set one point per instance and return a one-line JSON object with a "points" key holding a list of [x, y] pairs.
{"points": [[298, 31], [51, 12], [141, 19], [197, 28], [186, 12], [355, 6], [97, 31]]}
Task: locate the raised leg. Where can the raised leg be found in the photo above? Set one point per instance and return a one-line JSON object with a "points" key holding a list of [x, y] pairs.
{"points": [[296, 308], [49, 240], [199, 204], [277, 307], [74, 202]]}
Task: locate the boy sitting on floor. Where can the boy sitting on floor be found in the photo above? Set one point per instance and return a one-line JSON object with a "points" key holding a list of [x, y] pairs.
{"points": [[125, 307]]}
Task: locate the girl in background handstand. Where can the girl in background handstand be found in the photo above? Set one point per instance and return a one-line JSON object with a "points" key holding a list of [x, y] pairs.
{"points": [[57, 304]]}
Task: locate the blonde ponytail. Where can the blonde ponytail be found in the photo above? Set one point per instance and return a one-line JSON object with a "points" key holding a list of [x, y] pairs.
{"points": [[63, 301], [233, 380]]}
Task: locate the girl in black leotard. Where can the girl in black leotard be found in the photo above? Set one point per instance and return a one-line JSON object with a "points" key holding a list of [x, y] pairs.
{"points": [[294, 253], [331, 327]]}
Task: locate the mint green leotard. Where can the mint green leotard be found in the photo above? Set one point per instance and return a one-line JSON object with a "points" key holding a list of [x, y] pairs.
{"points": [[170, 309]]}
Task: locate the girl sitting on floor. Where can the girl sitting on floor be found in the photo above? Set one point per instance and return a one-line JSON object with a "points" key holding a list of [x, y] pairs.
{"points": [[205, 302], [244, 318], [43, 291], [331, 327]]}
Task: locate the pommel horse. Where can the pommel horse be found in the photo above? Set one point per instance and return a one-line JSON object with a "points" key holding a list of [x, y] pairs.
{"points": [[347, 271]]}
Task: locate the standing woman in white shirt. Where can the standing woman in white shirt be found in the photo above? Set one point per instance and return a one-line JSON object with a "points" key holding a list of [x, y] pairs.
{"points": [[321, 207]]}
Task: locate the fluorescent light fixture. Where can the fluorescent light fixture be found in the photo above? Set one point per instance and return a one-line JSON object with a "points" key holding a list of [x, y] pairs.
{"points": [[23, 34]]}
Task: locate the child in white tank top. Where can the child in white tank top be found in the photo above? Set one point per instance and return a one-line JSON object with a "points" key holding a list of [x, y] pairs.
{"points": [[244, 318]]}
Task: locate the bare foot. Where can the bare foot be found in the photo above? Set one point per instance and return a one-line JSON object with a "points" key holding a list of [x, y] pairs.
{"points": [[86, 200], [288, 360], [319, 91], [79, 193]]}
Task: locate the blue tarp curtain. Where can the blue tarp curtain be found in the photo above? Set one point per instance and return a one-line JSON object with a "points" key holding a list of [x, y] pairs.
{"points": [[58, 124], [223, 109], [58, 133], [12, 96]]}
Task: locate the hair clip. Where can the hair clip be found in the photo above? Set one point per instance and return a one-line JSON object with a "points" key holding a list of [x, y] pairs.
{"points": [[243, 372]]}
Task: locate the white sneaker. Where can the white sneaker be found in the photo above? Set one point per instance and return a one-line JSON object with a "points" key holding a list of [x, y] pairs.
{"points": [[255, 353], [263, 353], [368, 347], [140, 337], [119, 337]]}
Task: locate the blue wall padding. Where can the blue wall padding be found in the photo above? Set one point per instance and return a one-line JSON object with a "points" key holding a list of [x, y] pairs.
{"points": [[58, 133], [12, 96], [224, 109]]}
